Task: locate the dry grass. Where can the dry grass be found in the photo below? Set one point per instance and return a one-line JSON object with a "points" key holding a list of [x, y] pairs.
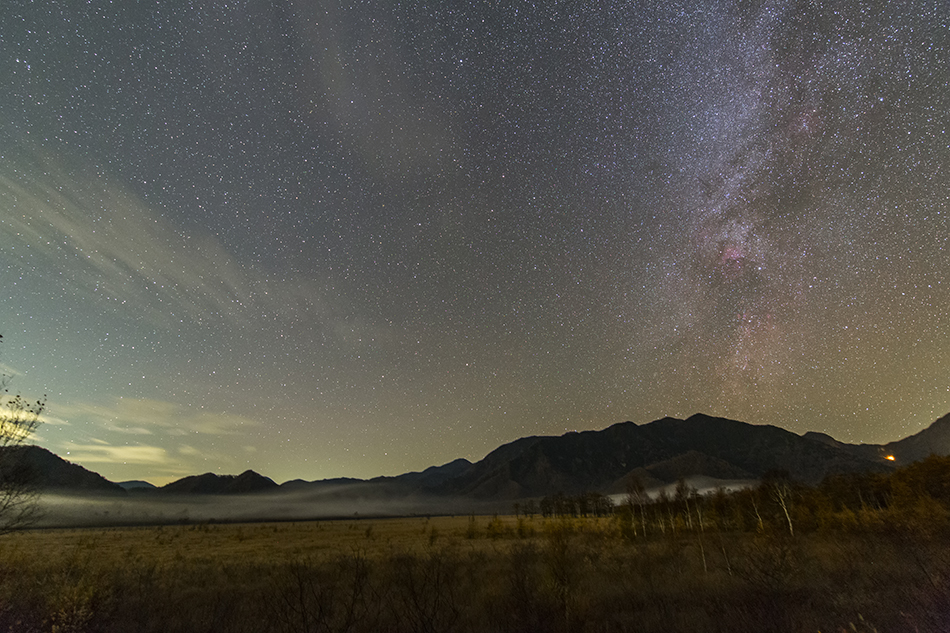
{"points": [[256, 541], [464, 574]]}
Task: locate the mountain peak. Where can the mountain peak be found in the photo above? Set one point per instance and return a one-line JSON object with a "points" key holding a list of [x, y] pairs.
{"points": [[666, 449], [49, 471], [658, 452], [210, 483], [137, 484]]}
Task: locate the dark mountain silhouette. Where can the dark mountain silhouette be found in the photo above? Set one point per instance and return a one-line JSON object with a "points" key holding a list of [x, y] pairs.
{"points": [[608, 460], [433, 476], [46, 471], [209, 483], [301, 484], [694, 463], [934, 440], [665, 450], [400, 485], [137, 484]]}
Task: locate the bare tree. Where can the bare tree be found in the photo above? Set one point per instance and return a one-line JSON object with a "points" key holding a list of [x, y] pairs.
{"points": [[683, 492], [782, 494], [637, 497], [18, 420], [779, 487]]}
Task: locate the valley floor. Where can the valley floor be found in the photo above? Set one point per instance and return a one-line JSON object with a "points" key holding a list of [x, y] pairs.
{"points": [[467, 574]]}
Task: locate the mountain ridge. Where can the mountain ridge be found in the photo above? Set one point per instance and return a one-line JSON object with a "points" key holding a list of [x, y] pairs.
{"points": [[606, 460], [210, 483], [45, 470], [597, 460]]}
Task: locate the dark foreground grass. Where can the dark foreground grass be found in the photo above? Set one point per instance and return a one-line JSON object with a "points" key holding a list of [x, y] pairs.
{"points": [[467, 574]]}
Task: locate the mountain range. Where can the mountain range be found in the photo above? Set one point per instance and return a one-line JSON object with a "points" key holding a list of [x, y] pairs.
{"points": [[655, 454]]}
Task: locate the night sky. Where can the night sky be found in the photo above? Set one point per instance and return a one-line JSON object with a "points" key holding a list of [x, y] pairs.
{"points": [[324, 239]]}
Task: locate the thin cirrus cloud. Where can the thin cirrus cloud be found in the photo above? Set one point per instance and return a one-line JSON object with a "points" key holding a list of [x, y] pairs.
{"points": [[155, 434], [112, 454], [148, 416], [108, 241], [164, 464]]}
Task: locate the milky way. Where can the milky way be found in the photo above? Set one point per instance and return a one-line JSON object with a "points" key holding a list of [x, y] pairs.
{"points": [[321, 239]]}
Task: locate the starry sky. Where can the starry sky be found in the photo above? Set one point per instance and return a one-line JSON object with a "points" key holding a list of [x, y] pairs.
{"points": [[324, 239]]}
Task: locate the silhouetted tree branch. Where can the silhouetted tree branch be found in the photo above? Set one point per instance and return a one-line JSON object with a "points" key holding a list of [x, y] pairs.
{"points": [[19, 418]]}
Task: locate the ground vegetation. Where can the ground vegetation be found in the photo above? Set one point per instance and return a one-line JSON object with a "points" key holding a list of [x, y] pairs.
{"points": [[855, 553]]}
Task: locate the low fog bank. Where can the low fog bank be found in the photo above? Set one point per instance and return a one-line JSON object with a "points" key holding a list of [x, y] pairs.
{"points": [[702, 484], [73, 510], [327, 502]]}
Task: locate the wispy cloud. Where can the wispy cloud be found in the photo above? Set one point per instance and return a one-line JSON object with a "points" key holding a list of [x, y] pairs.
{"points": [[147, 416], [52, 420], [6, 371], [189, 451], [108, 241], [110, 454], [17, 420]]}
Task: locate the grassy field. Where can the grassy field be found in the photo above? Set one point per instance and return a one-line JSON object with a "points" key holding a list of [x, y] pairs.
{"points": [[466, 574], [220, 543]]}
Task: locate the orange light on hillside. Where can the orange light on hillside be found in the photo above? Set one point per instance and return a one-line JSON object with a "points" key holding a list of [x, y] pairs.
{"points": [[889, 458]]}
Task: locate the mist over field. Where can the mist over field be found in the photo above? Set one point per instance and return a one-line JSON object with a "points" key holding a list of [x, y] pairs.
{"points": [[58, 510], [700, 485], [330, 502]]}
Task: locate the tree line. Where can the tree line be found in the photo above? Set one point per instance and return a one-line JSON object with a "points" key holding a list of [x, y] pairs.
{"points": [[587, 504], [915, 497]]}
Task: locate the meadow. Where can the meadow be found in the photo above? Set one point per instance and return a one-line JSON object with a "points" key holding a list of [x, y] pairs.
{"points": [[467, 573]]}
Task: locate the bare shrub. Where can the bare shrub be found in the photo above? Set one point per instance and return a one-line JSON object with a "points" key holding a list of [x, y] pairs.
{"points": [[520, 604], [769, 561], [425, 590], [313, 596]]}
